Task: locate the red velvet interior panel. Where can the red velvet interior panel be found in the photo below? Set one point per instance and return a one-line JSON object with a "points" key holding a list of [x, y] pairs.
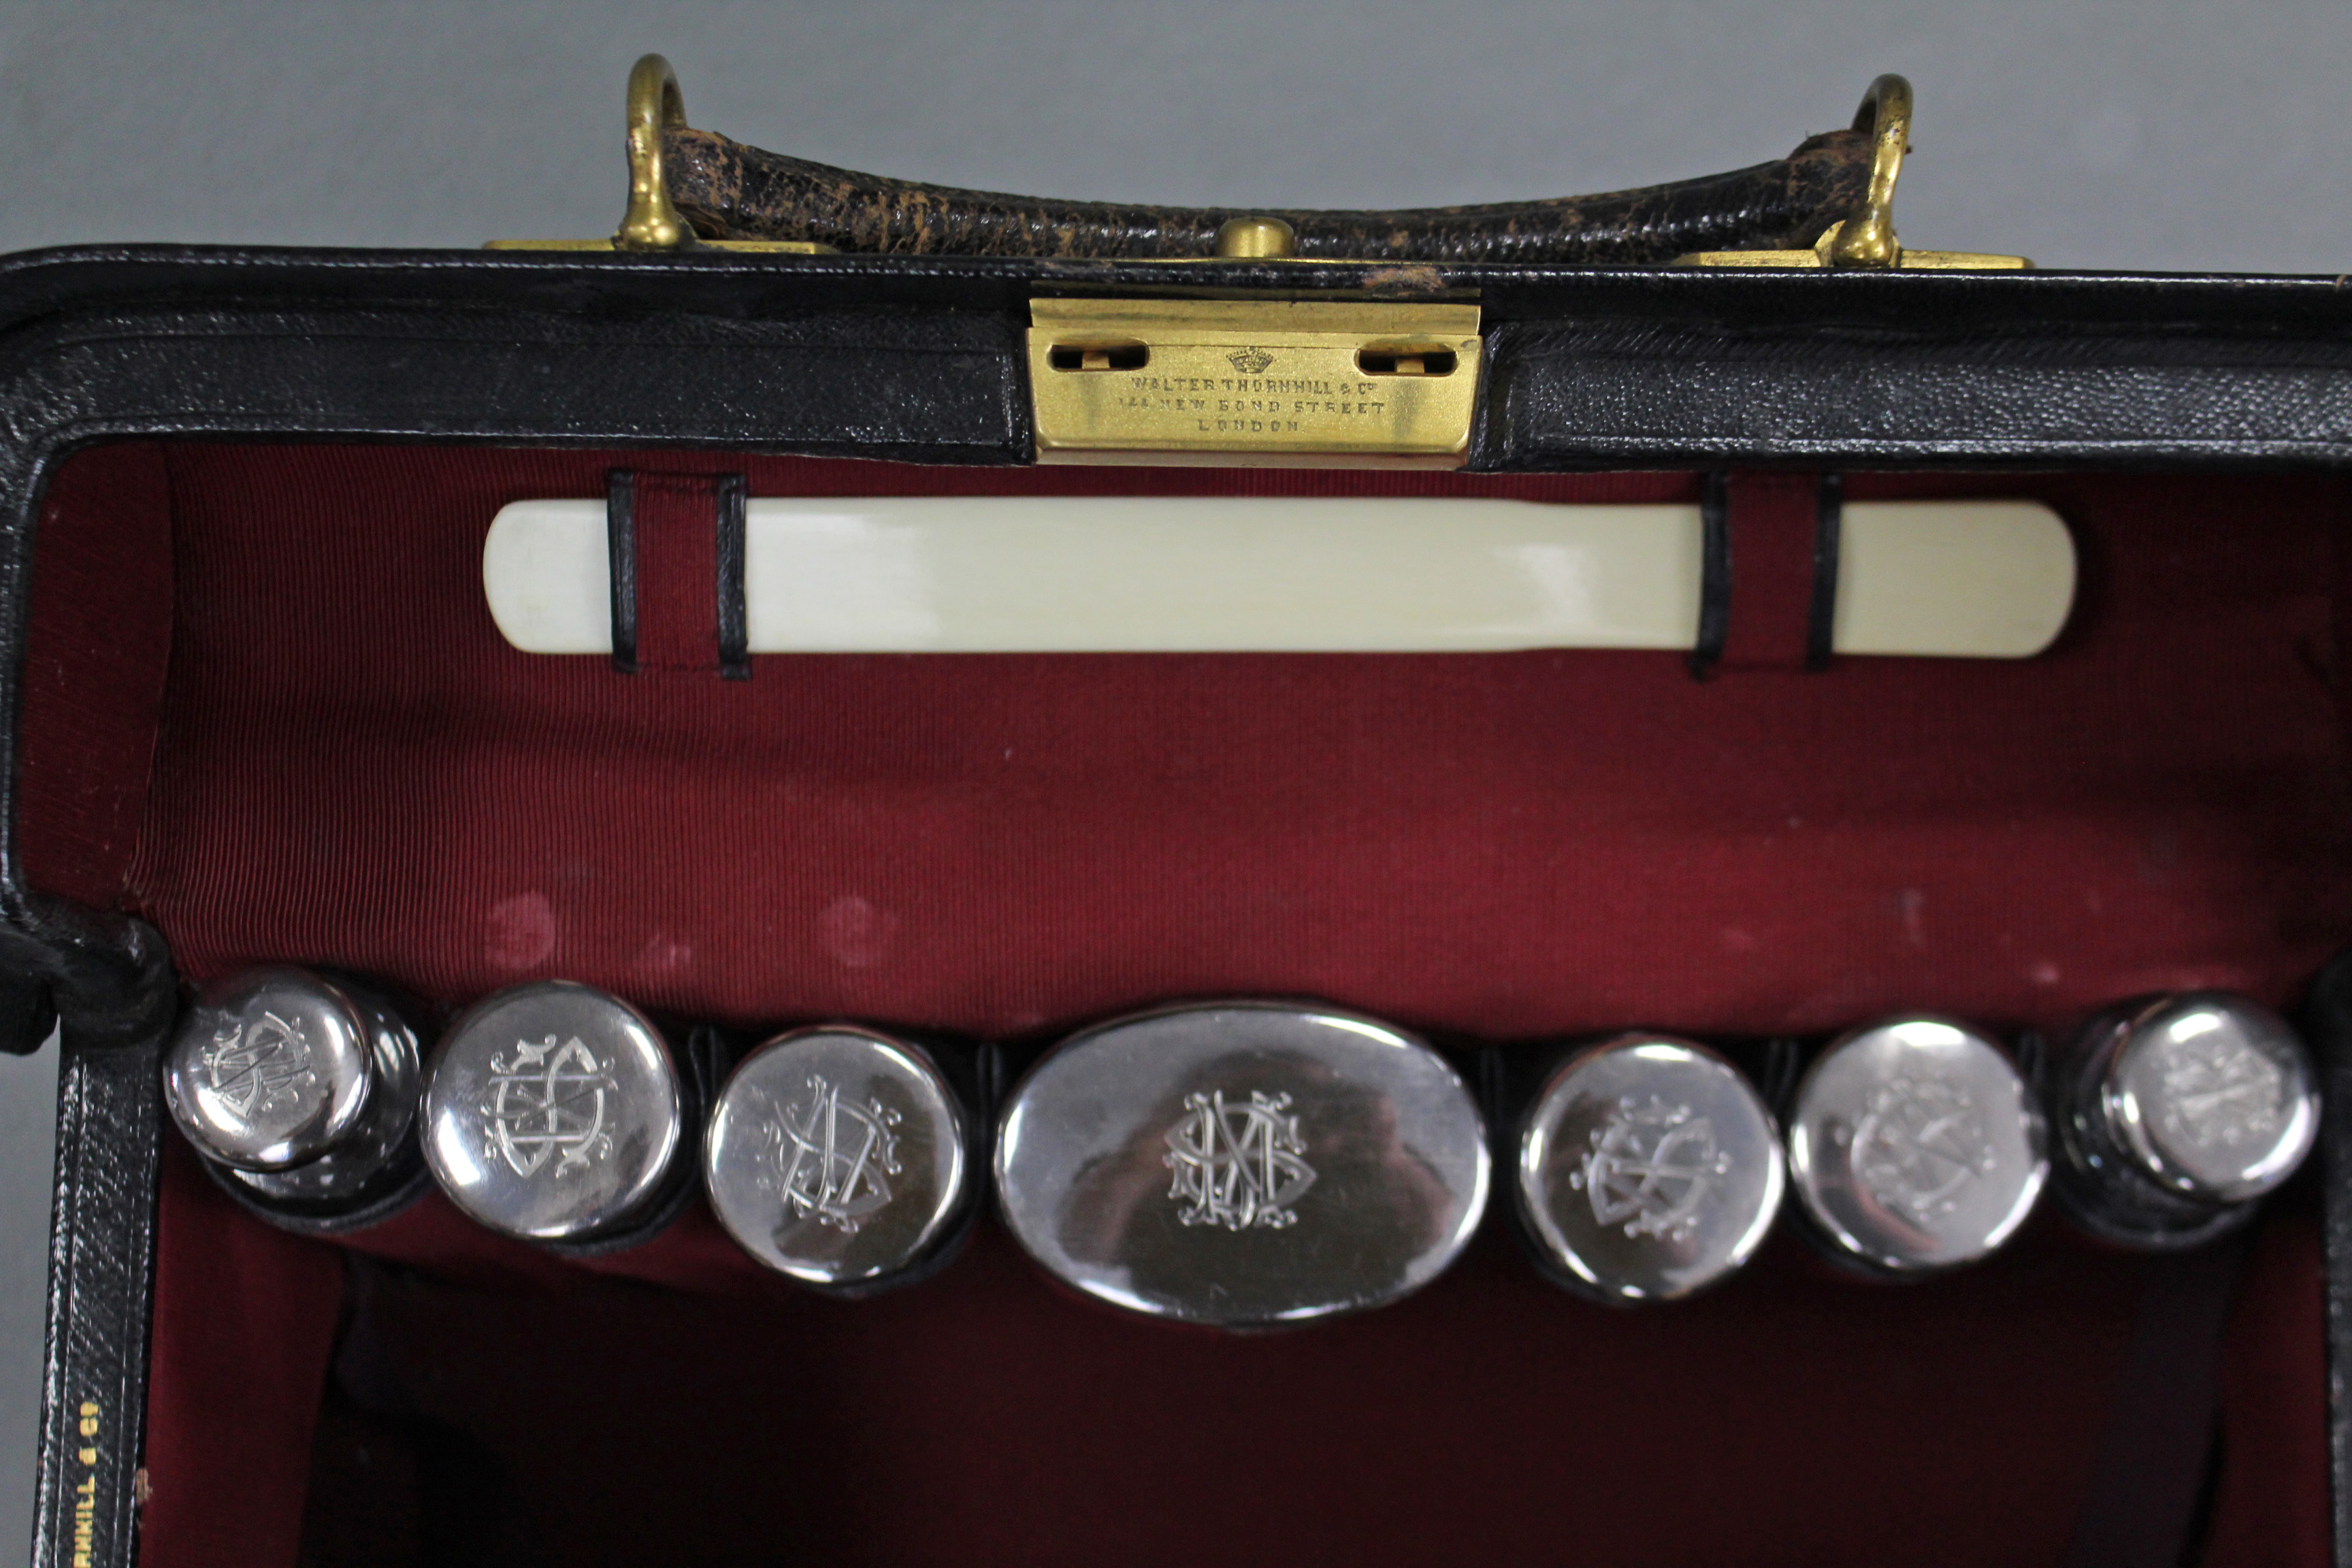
{"points": [[94, 663], [354, 769]]}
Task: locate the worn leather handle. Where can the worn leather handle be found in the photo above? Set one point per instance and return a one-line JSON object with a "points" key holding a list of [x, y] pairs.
{"points": [[728, 190]]}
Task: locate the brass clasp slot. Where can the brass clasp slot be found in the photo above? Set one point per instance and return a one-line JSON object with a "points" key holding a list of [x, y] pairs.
{"points": [[1128, 355], [1254, 382], [1407, 359]]}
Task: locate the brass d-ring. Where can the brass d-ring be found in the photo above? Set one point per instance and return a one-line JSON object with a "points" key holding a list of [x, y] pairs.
{"points": [[1866, 237], [656, 104]]}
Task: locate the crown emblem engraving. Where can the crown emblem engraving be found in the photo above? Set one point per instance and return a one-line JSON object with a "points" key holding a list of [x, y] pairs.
{"points": [[1237, 1165], [1250, 361], [1920, 1140], [833, 1157], [1650, 1168], [2218, 1093], [255, 1069], [551, 1100]]}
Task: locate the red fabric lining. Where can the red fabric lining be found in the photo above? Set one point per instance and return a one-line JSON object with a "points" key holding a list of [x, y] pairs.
{"points": [[353, 768], [245, 1315]]}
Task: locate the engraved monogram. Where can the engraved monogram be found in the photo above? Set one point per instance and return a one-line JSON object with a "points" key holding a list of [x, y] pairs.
{"points": [[1238, 1165], [2218, 1092], [833, 1158], [1919, 1142], [1249, 361], [1650, 1167], [551, 1100], [257, 1068]]}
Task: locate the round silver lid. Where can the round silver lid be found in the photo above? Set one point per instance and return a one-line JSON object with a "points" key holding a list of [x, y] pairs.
{"points": [[379, 1142], [551, 1111], [836, 1156], [1243, 1164], [1915, 1144], [2213, 1096], [270, 1069], [1649, 1168]]}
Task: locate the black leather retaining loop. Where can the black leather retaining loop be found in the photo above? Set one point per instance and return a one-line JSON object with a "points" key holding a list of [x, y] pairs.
{"points": [[734, 618], [1829, 531], [621, 543], [1714, 574]]}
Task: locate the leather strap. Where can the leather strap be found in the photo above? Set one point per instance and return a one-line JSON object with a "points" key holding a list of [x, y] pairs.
{"points": [[730, 191]]}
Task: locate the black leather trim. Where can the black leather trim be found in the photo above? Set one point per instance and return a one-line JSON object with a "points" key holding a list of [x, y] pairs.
{"points": [[2326, 1020], [101, 1280]]}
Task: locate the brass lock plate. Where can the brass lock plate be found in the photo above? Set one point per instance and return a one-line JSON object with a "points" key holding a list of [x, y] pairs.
{"points": [[1254, 382]]}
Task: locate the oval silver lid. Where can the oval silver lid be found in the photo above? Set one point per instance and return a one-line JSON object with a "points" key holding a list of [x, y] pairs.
{"points": [[1243, 1164], [270, 1069], [551, 1111], [2213, 1096], [835, 1155], [1916, 1145], [1648, 1168]]}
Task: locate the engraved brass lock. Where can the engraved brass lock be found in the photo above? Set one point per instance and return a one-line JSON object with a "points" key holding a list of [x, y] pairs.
{"points": [[1257, 382]]}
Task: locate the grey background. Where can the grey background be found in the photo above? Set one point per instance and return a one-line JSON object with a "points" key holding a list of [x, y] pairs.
{"points": [[2154, 134], [2160, 135]]}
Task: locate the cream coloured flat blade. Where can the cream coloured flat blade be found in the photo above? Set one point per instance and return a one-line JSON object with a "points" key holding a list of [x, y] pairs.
{"points": [[1168, 574]]}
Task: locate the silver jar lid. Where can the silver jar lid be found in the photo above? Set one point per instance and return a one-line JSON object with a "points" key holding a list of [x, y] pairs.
{"points": [[1243, 1164], [270, 1069], [1648, 1168], [1915, 1145], [836, 1156], [2212, 1096], [553, 1112]]}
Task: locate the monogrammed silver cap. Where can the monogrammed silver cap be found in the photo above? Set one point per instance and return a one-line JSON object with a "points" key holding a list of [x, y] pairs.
{"points": [[1243, 1164], [1648, 1168], [837, 1156], [270, 1069], [2176, 1112], [551, 1111], [1915, 1145], [2212, 1096]]}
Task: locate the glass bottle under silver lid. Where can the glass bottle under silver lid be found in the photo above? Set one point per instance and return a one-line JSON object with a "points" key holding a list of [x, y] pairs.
{"points": [[2176, 1113], [299, 1090], [840, 1157], [557, 1113], [1915, 1145], [1243, 1164], [1648, 1168]]}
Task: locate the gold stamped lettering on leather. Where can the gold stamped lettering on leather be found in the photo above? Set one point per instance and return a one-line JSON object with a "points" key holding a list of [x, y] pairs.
{"points": [[1254, 382]]}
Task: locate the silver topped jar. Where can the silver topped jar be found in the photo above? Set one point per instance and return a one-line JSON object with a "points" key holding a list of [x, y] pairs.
{"points": [[2176, 1113], [1648, 1168], [554, 1112], [1243, 1164], [1915, 1145], [300, 1091], [840, 1157]]}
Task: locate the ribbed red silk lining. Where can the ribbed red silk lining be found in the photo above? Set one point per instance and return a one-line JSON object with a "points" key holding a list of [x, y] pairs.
{"points": [[353, 768]]}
